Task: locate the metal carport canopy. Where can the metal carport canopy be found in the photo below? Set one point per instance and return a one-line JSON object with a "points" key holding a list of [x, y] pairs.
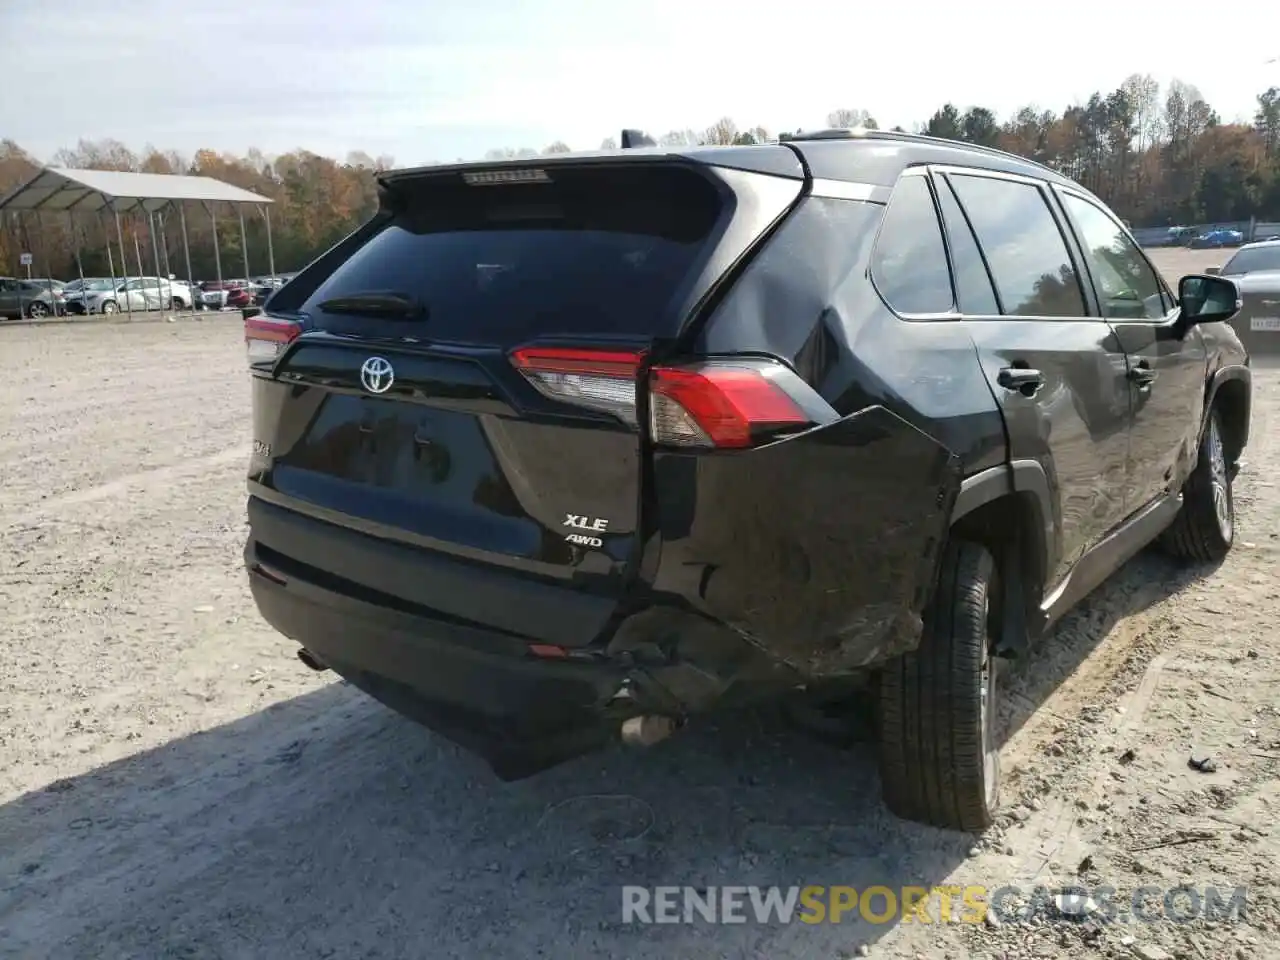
{"points": [[57, 189], [66, 191]]}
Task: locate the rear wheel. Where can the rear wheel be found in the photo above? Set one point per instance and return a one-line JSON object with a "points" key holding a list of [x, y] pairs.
{"points": [[109, 306], [1205, 527], [177, 304], [939, 762], [37, 310]]}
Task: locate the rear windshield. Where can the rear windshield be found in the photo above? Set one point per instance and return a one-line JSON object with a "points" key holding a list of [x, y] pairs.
{"points": [[1252, 261], [595, 250]]}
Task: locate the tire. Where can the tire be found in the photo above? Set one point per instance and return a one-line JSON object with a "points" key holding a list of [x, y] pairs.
{"points": [[109, 306], [939, 762], [1205, 527], [37, 310], [176, 304]]}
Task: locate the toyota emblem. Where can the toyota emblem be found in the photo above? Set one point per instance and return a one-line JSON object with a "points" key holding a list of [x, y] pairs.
{"points": [[376, 375]]}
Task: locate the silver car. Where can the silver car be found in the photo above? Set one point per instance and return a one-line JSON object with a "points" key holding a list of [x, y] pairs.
{"points": [[135, 293], [1255, 268]]}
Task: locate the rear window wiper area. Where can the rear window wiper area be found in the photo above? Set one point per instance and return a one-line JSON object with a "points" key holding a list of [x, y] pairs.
{"points": [[382, 303]]}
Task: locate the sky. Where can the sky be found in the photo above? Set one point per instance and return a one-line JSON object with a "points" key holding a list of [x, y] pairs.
{"points": [[441, 80]]}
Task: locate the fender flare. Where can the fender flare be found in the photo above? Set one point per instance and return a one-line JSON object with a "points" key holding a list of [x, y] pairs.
{"points": [[1016, 476], [1232, 372], [1040, 546]]}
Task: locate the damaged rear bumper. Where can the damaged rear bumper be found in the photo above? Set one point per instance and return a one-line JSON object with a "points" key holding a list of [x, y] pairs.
{"points": [[489, 692], [749, 601]]}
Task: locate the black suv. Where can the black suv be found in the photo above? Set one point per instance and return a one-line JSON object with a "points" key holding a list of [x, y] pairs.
{"points": [[561, 451]]}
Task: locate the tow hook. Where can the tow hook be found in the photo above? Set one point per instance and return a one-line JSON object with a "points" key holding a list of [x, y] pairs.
{"points": [[647, 730], [311, 660]]}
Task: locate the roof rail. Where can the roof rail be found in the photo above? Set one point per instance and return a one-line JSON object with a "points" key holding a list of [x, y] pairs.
{"points": [[863, 133]]}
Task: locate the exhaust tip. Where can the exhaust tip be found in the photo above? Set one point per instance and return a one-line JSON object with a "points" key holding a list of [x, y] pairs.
{"points": [[311, 660], [646, 731]]}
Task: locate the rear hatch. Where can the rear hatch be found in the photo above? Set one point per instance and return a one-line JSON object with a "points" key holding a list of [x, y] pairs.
{"points": [[464, 385]]}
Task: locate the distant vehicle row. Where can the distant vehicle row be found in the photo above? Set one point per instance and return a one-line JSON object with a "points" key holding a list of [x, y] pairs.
{"points": [[1209, 239], [37, 298]]}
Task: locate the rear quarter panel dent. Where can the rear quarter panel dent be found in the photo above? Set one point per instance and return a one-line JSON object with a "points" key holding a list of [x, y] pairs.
{"points": [[822, 548]]}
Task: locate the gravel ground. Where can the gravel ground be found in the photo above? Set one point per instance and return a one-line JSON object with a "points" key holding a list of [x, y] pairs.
{"points": [[174, 784]]}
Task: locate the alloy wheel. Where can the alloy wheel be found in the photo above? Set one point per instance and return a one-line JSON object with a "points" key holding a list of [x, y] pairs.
{"points": [[1218, 481], [988, 715]]}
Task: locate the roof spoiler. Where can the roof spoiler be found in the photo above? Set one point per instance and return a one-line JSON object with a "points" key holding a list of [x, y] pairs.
{"points": [[636, 138]]}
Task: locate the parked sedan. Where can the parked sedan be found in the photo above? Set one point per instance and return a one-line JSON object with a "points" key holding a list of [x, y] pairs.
{"points": [[80, 297], [137, 293], [217, 294], [29, 298], [238, 297], [1218, 238], [1255, 268]]}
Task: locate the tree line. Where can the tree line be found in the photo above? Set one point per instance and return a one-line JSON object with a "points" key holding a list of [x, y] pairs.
{"points": [[1156, 156]]}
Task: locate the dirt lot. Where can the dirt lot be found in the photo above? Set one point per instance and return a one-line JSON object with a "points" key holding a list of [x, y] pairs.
{"points": [[174, 784]]}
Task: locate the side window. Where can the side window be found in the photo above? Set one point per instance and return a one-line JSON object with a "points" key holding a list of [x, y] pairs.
{"points": [[1029, 260], [910, 263], [973, 284], [1127, 286]]}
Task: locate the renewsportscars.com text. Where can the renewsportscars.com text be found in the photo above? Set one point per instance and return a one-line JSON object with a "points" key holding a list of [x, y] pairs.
{"points": [[937, 904]]}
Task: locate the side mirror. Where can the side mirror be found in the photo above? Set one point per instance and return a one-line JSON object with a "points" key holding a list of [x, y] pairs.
{"points": [[1208, 299], [1212, 271]]}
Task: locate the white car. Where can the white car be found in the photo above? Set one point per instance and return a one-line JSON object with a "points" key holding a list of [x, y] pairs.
{"points": [[214, 294], [138, 293]]}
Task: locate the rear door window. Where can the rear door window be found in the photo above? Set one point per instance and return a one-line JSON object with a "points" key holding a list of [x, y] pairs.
{"points": [[1253, 260], [910, 262], [590, 251], [1028, 256], [974, 293]]}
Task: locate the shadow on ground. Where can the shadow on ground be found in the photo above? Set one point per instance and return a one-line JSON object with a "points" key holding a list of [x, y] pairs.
{"points": [[1145, 580], [327, 826]]}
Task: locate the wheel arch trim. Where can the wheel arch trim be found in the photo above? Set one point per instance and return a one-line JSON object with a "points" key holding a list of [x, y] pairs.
{"points": [[1026, 477], [1016, 476], [1232, 373]]}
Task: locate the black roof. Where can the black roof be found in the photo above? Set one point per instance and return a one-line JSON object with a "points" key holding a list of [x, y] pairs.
{"points": [[860, 156], [829, 155]]}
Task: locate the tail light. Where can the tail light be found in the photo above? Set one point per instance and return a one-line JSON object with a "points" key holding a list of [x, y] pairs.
{"points": [[719, 405], [602, 380], [724, 404], [265, 338]]}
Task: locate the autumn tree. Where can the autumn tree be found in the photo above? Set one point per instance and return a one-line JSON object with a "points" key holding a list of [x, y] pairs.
{"points": [[1158, 157], [847, 118]]}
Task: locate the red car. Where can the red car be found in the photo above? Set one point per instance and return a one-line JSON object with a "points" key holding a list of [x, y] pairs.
{"points": [[214, 295]]}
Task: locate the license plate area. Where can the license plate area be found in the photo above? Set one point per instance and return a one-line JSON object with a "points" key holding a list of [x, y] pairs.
{"points": [[427, 453], [1264, 323]]}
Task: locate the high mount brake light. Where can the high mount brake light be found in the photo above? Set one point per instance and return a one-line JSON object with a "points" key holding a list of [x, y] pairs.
{"points": [[491, 178], [265, 337], [717, 404]]}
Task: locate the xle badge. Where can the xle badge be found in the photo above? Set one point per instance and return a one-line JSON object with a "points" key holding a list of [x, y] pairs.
{"points": [[594, 525]]}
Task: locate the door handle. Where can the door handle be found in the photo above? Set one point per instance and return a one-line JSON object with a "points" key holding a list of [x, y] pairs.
{"points": [[1142, 374], [1022, 379]]}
